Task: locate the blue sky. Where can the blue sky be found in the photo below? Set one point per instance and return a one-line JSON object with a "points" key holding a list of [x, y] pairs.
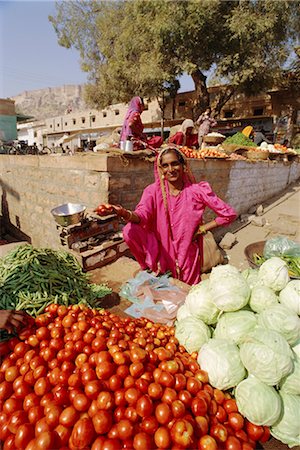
{"points": [[30, 57]]}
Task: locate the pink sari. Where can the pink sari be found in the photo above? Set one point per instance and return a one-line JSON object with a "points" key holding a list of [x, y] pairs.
{"points": [[134, 111], [163, 240]]}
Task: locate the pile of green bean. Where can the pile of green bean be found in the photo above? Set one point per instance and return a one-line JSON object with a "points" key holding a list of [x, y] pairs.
{"points": [[32, 278], [293, 263]]}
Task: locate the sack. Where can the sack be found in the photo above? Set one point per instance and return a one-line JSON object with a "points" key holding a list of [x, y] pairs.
{"points": [[212, 255]]}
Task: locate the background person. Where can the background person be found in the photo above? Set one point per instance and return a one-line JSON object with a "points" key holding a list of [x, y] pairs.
{"points": [[205, 123], [165, 231], [185, 135], [133, 126]]}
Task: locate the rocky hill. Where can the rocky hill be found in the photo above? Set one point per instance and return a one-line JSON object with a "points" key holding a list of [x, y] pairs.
{"points": [[50, 102]]}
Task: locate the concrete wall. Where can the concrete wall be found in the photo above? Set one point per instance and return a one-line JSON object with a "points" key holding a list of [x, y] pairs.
{"points": [[30, 186]]}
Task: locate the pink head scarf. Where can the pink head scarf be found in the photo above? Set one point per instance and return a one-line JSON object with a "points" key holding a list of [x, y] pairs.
{"points": [[135, 105]]}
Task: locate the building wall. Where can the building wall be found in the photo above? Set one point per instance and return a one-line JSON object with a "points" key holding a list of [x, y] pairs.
{"points": [[8, 121], [30, 186]]}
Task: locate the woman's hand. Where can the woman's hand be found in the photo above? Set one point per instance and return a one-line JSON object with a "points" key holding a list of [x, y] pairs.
{"points": [[107, 209], [9, 320]]}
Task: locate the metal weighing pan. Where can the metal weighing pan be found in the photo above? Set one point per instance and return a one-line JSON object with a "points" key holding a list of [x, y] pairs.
{"points": [[68, 214]]}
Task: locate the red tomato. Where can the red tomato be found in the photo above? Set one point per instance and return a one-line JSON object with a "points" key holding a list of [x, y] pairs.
{"points": [[182, 433], [255, 432], [16, 420], [83, 434], [125, 429], [218, 432], [69, 416], [162, 438], [233, 443], [207, 443], [230, 406], [142, 441], [163, 413], [266, 435], [24, 435], [102, 422], [236, 421], [144, 406]]}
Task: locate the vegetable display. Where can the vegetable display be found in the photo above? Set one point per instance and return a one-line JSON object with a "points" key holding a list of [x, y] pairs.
{"points": [[31, 278], [239, 139], [293, 263], [88, 379], [255, 344]]}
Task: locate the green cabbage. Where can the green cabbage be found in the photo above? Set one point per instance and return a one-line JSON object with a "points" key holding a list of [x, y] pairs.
{"points": [[287, 429], [183, 312], [222, 362], [281, 319], [290, 296], [192, 333], [262, 297], [229, 289], [200, 305], [266, 355], [251, 276], [234, 325], [274, 273], [291, 383], [258, 402]]}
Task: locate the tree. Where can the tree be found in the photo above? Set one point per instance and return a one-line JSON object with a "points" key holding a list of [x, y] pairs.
{"points": [[142, 47]]}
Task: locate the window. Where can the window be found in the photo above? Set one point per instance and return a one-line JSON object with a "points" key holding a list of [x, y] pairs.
{"points": [[57, 125], [82, 119], [35, 134], [258, 111], [93, 119], [74, 121], [104, 113], [51, 126], [66, 124], [117, 112], [228, 114], [182, 103]]}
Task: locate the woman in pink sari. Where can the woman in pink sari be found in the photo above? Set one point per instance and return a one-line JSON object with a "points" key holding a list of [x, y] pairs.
{"points": [[165, 231], [133, 126]]}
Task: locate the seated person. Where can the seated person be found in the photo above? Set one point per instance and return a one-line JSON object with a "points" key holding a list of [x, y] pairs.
{"points": [[185, 135]]}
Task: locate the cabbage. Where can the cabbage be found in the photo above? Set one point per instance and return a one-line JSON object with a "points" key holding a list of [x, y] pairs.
{"points": [[266, 355], [192, 333], [234, 325], [222, 362], [296, 348], [262, 297], [183, 312], [287, 430], [274, 273], [291, 383], [229, 289], [258, 402], [200, 304], [290, 296], [281, 319], [251, 276]]}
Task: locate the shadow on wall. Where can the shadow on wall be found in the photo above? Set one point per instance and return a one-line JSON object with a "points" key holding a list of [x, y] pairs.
{"points": [[8, 226]]}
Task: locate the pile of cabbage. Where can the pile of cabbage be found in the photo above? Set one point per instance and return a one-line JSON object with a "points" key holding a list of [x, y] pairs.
{"points": [[246, 330]]}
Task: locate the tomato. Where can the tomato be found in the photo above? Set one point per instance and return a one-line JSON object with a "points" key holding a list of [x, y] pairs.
{"points": [[207, 443], [6, 390], [266, 435], [41, 426], [9, 443], [236, 421], [178, 409], [102, 421], [45, 441], [149, 425], [81, 402], [142, 441], [221, 414], [201, 426], [16, 419], [42, 386], [35, 413], [163, 413], [24, 435], [125, 429], [162, 438], [255, 432], [83, 434], [144, 406], [11, 373], [182, 433], [230, 406], [199, 406], [218, 432], [11, 404], [233, 443], [155, 391]]}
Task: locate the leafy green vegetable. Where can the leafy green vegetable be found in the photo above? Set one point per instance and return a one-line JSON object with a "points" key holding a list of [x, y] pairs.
{"points": [[257, 401], [239, 139], [281, 319], [234, 325], [199, 303], [287, 428], [290, 296], [273, 273], [262, 297], [192, 333]]}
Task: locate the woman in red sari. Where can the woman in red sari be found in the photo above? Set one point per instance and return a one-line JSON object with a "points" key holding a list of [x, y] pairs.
{"points": [[165, 231], [133, 126], [185, 135]]}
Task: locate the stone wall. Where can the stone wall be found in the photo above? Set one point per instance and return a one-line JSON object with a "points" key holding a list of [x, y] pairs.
{"points": [[31, 186]]}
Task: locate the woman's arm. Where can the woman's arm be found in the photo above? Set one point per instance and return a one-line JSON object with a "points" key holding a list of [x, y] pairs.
{"points": [[126, 214], [177, 138]]}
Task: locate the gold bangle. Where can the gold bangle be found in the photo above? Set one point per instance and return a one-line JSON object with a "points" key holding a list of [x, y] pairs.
{"points": [[202, 230], [130, 215]]}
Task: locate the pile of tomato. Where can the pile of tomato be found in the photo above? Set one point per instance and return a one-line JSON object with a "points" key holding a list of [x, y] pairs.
{"points": [[83, 379]]}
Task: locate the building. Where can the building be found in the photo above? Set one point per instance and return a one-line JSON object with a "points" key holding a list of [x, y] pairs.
{"points": [[276, 111], [8, 120]]}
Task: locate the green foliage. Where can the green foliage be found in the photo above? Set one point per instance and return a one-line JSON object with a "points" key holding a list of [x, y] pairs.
{"points": [[142, 47]]}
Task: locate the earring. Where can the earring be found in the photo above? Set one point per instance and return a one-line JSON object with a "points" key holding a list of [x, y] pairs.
{"points": [[162, 177]]}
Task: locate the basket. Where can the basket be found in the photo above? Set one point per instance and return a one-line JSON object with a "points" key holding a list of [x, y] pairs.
{"points": [[255, 248], [257, 155], [213, 139]]}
